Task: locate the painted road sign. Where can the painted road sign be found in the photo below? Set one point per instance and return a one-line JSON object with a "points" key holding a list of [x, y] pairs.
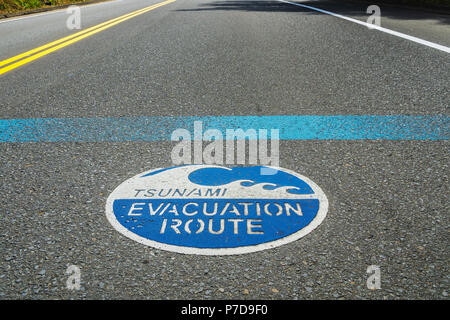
{"points": [[214, 210]]}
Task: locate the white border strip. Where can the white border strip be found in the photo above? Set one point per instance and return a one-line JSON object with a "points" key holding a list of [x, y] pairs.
{"points": [[375, 27]]}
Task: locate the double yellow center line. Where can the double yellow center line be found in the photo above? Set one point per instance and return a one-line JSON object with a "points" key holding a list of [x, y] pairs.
{"points": [[26, 57]]}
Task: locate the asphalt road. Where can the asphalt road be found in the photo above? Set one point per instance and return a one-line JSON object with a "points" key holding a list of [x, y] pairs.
{"points": [[388, 199]]}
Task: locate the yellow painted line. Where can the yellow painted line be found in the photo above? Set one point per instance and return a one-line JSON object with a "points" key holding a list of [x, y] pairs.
{"points": [[29, 53], [63, 42]]}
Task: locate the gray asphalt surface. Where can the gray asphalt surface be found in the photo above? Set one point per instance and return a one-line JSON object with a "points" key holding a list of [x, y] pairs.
{"points": [[388, 199]]}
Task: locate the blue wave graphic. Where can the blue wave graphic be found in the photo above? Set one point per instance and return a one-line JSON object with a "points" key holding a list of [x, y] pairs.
{"points": [[221, 176]]}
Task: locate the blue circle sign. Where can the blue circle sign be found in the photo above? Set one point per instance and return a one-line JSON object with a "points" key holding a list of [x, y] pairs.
{"points": [[215, 210]]}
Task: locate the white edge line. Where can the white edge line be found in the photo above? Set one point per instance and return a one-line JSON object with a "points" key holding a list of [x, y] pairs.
{"points": [[374, 27]]}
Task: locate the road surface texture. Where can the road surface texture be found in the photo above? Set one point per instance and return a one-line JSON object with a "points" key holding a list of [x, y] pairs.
{"points": [[388, 198]]}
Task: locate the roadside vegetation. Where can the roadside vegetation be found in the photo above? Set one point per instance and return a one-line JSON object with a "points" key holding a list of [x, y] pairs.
{"points": [[13, 6]]}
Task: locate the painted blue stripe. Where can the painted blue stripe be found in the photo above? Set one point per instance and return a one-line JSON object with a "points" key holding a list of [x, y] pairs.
{"points": [[340, 127]]}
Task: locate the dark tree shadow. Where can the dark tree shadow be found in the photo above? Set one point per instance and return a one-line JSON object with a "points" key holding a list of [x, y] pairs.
{"points": [[341, 7]]}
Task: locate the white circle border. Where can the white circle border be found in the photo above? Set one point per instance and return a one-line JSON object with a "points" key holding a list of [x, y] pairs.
{"points": [[320, 216]]}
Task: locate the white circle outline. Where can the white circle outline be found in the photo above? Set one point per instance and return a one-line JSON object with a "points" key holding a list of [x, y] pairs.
{"points": [[320, 216]]}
